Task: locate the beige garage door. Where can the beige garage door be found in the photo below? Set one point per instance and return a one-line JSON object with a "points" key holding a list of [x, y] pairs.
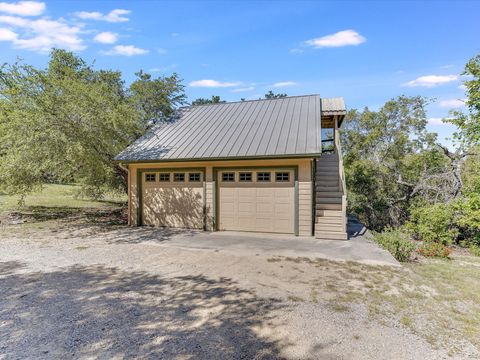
{"points": [[173, 199], [257, 200]]}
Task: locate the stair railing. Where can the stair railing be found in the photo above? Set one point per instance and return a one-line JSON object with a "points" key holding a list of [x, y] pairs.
{"points": [[342, 185]]}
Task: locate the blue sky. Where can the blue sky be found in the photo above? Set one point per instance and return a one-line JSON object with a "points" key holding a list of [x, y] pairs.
{"points": [[367, 52]]}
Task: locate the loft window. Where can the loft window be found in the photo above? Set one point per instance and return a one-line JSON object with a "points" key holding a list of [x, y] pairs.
{"points": [[194, 177], [263, 176], [282, 176], [164, 177], [150, 177], [179, 177], [245, 176], [228, 176]]}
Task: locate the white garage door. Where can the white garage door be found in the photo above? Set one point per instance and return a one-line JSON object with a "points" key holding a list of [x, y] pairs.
{"points": [[257, 200], [173, 199]]}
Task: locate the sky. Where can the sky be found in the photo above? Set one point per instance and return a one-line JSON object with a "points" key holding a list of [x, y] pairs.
{"points": [[368, 52]]}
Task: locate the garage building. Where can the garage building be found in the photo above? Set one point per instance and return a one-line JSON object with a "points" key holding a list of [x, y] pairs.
{"points": [[245, 166]]}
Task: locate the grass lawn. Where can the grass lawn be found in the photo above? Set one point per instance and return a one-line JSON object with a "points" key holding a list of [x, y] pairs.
{"points": [[58, 196], [56, 205]]}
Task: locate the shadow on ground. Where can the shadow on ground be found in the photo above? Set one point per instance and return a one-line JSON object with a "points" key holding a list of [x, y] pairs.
{"points": [[95, 311]]}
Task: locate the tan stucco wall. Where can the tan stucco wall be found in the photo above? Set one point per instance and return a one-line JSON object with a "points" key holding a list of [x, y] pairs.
{"points": [[304, 184]]}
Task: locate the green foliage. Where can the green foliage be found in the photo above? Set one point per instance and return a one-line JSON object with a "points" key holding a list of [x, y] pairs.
{"points": [[468, 134], [474, 250], [214, 100], [396, 242], [468, 217], [157, 99], [433, 223], [271, 95], [386, 154], [434, 249], [67, 122]]}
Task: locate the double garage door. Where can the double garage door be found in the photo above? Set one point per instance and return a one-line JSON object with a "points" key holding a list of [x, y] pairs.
{"points": [[247, 200], [260, 200]]}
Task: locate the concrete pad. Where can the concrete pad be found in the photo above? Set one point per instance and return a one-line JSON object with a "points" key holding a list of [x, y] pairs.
{"points": [[359, 248]]}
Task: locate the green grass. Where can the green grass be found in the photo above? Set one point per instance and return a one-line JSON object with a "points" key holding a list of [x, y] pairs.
{"points": [[56, 207], [60, 196]]}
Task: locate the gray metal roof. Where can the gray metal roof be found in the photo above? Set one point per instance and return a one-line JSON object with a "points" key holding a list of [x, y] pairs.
{"points": [[333, 106], [260, 128]]}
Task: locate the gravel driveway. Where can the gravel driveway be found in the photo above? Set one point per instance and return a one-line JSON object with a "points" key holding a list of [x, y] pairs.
{"points": [[89, 293]]}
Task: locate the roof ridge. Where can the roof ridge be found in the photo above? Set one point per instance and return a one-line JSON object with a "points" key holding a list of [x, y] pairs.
{"points": [[244, 101]]}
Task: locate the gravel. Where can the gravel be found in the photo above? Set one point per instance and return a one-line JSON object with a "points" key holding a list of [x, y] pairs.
{"points": [[85, 293]]}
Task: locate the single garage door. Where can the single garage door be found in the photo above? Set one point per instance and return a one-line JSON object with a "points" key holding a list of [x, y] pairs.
{"points": [[173, 199], [257, 200]]}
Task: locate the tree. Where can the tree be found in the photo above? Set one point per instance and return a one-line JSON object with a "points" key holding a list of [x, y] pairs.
{"points": [[468, 134], [271, 95], [157, 99], [65, 122], [392, 162], [214, 100]]}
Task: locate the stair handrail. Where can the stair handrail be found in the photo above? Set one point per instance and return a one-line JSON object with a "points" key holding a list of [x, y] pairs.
{"points": [[342, 184]]}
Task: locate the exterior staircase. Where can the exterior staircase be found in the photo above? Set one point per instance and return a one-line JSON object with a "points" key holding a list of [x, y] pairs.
{"points": [[330, 198]]}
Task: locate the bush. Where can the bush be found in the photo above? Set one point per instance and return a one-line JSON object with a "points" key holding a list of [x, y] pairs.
{"points": [[434, 249], [475, 250], [396, 242], [433, 223]]}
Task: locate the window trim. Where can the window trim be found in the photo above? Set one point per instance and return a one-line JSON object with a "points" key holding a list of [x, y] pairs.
{"points": [[245, 173], [228, 173], [175, 174], [165, 174], [147, 175], [263, 173], [196, 174], [282, 173]]}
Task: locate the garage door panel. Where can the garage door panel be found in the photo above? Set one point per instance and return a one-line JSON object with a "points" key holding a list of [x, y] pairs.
{"points": [[172, 206], [263, 207]]}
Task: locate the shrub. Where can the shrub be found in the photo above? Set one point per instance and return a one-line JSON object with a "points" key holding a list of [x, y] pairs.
{"points": [[433, 223], [475, 250], [396, 242], [434, 249]]}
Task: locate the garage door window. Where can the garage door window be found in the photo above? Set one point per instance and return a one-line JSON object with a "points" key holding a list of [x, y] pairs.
{"points": [[194, 177], [282, 176], [164, 177], [263, 176], [150, 177], [228, 176], [245, 176], [179, 177]]}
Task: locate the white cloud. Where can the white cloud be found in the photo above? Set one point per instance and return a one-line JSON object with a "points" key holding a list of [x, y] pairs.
{"points": [[436, 121], [161, 51], [113, 16], [341, 38], [212, 83], [125, 50], [174, 34], [23, 8], [452, 103], [283, 84], [449, 66], [7, 35], [106, 37], [462, 87], [249, 88], [431, 80], [43, 34]]}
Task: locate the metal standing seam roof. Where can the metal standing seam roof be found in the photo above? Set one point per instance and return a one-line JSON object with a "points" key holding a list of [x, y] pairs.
{"points": [[280, 127], [333, 106]]}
